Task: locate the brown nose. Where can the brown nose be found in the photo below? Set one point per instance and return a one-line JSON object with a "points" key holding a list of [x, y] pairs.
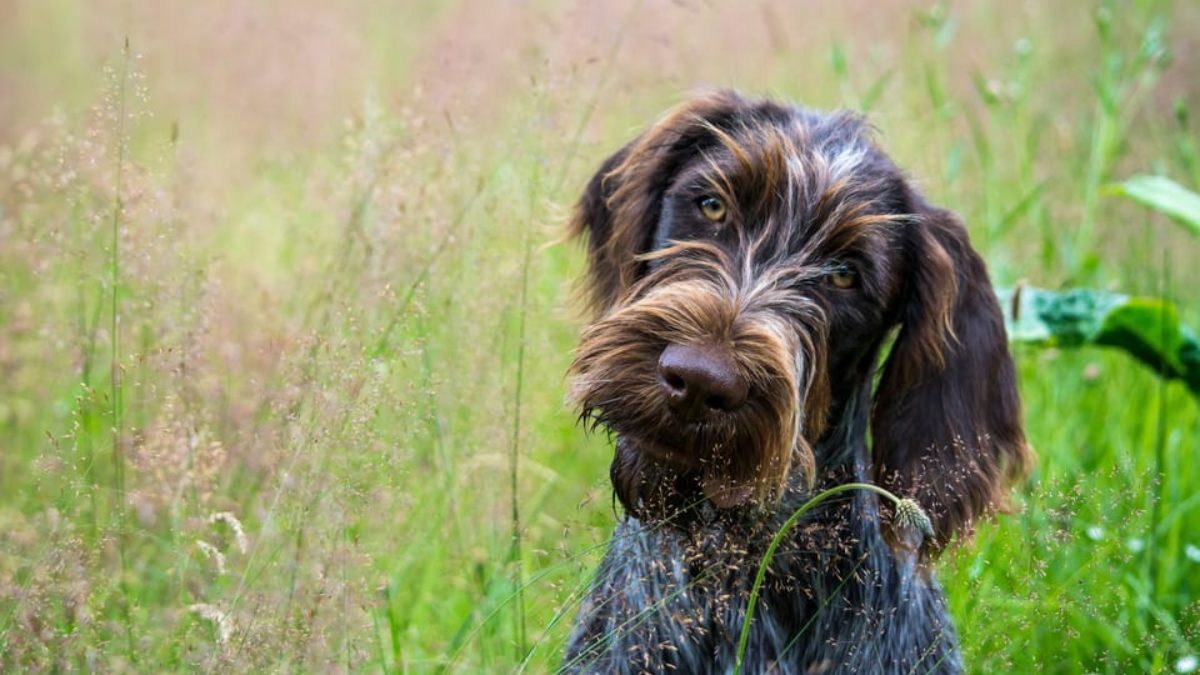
{"points": [[700, 379]]}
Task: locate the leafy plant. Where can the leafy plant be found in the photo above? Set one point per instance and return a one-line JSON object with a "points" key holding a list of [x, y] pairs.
{"points": [[1149, 329]]}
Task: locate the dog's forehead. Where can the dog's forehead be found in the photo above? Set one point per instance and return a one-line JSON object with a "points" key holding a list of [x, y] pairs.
{"points": [[769, 146], [795, 174]]}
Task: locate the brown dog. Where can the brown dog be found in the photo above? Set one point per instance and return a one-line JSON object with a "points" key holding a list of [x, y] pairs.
{"points": [[748, 262]]}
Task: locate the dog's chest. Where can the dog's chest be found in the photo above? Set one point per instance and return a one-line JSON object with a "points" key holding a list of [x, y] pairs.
{"points": [[663, 601]]}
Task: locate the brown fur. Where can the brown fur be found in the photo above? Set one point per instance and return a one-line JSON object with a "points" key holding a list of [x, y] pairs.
{"points": [[761, 444], [947, 419]]}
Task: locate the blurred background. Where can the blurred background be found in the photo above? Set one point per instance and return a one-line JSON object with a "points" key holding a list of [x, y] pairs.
{"points": [[284, 318]]}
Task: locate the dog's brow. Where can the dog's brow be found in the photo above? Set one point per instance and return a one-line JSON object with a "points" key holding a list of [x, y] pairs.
{"points": [[718, 179]]}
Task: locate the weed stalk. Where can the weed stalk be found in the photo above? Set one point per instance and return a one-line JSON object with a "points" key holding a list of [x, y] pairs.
{"points": [[515, 554], [115, 392]]}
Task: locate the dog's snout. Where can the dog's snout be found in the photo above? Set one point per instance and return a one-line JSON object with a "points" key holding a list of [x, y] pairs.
{"points": [[699, 379]]}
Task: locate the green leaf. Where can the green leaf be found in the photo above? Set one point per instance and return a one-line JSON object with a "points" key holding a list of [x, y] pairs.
{"points": [[985, 92], [871, 97], [837, 60], [1056, 318], [1146, 328], [1165, 196], [1018, 211]]}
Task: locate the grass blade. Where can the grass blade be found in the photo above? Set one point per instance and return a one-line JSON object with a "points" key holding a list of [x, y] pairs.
{"points": [[1165, 196]]}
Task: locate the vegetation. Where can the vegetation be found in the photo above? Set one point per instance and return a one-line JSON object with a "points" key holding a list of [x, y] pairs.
{"points": [[284, 317], [1148, 329]]}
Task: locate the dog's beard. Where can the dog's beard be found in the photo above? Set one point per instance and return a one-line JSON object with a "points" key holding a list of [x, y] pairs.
{"points": [[732, 458]]}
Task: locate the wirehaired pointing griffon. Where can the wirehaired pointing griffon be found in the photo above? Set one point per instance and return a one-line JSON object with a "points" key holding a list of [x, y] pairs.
{"points": [[747, 263]]}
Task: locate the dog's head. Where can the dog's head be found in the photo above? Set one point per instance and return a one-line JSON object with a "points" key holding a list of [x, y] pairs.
{"points": [[747, 262]]}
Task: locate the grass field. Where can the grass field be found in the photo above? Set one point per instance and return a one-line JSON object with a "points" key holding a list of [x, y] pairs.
{"points": [[284, 319]]}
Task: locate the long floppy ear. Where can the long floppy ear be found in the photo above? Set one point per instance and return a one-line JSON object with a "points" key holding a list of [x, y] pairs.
{"points": [[622, 203], [611, 249], [947, 418]]}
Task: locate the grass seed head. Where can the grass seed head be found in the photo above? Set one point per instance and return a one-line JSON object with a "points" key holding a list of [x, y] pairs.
{"points": [[910, 515]]}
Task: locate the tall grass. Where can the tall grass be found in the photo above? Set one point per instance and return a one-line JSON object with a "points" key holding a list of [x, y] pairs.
{"points": [[335, 319]]}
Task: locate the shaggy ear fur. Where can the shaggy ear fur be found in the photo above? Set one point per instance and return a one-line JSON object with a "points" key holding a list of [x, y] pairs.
{"points": [[947, 419], [622, 203]]}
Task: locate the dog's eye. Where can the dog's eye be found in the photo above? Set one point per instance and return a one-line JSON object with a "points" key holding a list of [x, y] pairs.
{"points": [[712, 208], [843, 276]]}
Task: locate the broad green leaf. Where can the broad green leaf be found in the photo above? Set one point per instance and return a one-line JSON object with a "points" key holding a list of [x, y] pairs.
{"points": [[1146, 328], [1165, 196]]}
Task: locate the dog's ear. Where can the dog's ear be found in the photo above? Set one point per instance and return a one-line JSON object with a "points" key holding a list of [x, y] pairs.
{"points": [[947, 417], [611, 249], [622, 203]]}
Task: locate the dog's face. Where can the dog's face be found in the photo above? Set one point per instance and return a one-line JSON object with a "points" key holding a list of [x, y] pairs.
{"points": [[747, 262]]}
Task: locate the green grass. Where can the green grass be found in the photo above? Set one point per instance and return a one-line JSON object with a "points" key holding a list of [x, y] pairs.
{"points": [[217, 295]]}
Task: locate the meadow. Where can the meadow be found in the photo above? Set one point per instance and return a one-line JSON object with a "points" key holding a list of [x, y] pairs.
{"points": [[285, 314]]}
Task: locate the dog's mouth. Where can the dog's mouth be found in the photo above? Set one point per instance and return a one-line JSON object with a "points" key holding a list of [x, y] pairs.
{"points": [[709, 462], [731, 458], [725, 493], [668, 454]]}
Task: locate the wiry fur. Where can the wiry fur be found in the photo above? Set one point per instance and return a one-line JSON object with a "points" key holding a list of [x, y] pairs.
{"points": [[693, 298], [807, 195], [837, 598]]}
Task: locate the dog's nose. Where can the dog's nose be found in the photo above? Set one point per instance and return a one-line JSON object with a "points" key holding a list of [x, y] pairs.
{"points": [[699, 379]]}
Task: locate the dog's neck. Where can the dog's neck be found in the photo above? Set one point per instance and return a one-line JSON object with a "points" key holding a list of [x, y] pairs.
{"points": [[842, 453]]}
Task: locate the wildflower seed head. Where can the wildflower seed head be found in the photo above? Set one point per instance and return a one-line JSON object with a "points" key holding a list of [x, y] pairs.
{"points": [[910, 515], [239, 532], [212, 553], [214, 615]]}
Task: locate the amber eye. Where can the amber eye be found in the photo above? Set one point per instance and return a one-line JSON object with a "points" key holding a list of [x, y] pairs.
{"points": [[843, 277], [712, 208]]}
